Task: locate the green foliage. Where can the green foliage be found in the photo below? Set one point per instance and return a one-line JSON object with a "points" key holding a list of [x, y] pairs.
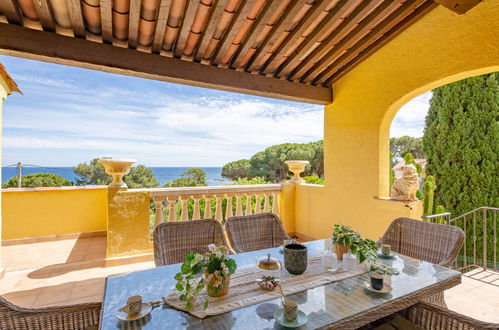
{"points": [[409, 160], [93, 172], [255, 180], [236, 170], [392, 173], [429, 190], [378, 268], [364, 248], [140, 177], [270, 165], [461, 146], [37, 180], [406, 144], [312, 179], [461, 143], [193, 177]]}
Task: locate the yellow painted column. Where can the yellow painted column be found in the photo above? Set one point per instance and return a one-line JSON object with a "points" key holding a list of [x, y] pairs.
{"points": [[440, 48], [7, 86], [128, 228]]}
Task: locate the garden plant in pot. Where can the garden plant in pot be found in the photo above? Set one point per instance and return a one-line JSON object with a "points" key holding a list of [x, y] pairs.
{"points": [[379, 274], [210, 270], [343, 237]]}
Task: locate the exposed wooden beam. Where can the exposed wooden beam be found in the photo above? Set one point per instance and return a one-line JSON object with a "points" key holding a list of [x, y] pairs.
{"points": [[51, 47], [74, 8], [44, 13], [164, 9], [313, 13], [106, 14], [11, 11], [276, 27], [133, 23], [458, 6], [350, 60]]}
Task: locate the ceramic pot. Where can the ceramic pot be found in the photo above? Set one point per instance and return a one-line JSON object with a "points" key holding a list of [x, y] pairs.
{"points": [[295, 258], [223, 289]]}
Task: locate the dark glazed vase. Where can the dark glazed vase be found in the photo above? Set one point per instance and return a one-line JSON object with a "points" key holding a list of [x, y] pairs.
{"points": [[295, 258]]}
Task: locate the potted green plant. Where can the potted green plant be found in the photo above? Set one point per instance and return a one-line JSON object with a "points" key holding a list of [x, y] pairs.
{"points": [[364, 248], [210, 270], [343, 237], [379, 274]]}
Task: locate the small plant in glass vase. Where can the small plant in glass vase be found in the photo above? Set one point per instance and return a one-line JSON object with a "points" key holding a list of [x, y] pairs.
{"points": [[210, 270], [380, 274], [343, 238]]}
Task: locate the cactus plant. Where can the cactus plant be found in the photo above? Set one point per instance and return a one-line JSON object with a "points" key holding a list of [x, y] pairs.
{"points": [[429, 190]]}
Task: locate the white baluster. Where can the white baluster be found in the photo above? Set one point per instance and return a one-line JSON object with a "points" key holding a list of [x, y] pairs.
{"points": [[228, 207], [184, 214], [218, 209], [275, 206], [207, 208], [196, 213], [249, 210], [258, 203], [172, 209], [266, 206], [239, 205], [159, 211]]}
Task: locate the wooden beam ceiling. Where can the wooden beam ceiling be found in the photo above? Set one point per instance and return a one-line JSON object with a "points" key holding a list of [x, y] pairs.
{"points": [[52, 47], [290, 49]]}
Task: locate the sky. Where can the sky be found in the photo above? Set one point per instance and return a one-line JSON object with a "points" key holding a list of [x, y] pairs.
{"points": [[70, 115]]}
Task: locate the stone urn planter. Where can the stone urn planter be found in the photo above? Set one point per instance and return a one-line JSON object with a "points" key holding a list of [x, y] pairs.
{"points": [[117, 168], [297, 167]]}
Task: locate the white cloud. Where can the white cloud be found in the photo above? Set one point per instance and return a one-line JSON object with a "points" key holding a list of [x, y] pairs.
{"points": [[410, 119]]}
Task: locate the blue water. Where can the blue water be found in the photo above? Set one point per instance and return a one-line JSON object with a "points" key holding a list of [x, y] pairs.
{"points": [[163, 174]]}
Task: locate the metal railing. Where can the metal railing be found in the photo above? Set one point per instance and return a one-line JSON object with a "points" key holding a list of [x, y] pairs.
{"points": [[480, 246]]}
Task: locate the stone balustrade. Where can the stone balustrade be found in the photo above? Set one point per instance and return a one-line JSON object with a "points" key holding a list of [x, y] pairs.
{"points": [[189, 203]]}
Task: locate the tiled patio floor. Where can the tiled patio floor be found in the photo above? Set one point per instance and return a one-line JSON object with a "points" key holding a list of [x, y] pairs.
{"points": [[72, 271]]}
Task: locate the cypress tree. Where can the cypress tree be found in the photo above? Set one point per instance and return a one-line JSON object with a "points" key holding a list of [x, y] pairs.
{"points": [[461, 143]]}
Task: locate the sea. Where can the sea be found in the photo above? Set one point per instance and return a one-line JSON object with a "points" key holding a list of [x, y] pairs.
{"points": [[163, 174]]}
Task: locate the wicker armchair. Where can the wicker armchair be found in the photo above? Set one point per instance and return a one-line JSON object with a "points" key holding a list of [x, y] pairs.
{"points": [[255, 232], [432, 317], [432, 242], [70, 317], [173, 240]]}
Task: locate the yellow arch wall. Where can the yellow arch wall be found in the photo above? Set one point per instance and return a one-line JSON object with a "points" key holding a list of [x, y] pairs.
{"points": [[440, 48]]}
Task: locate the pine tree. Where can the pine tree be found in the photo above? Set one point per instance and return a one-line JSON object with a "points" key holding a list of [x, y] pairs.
{"points": [[461, 143]]}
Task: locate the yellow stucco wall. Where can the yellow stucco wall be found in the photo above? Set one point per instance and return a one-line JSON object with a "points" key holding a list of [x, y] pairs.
{"points": [[128, 223], [440, 48], [53, 212]]}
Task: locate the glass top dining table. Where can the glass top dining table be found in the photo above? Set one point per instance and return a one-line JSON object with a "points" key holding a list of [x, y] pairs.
{"points": [[344, 304]]}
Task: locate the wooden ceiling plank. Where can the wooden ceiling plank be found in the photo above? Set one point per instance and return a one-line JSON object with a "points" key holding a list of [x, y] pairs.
{"points": [[185, 27], [235, 24], [316, 11], [52, 47], [11, 11], [74, 8], [106, 14], [214, 7], [354, 58], [265, 13], [133, 25], [277, 25], [333, 15], [188, 9], [45, 16], [287, 25], [159, 32], [349, 27], [217, 12]]}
